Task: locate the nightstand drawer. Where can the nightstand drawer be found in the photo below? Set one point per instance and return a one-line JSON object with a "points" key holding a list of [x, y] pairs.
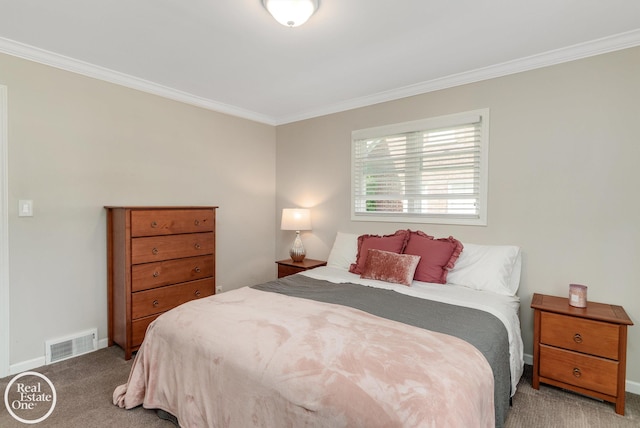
{"points": [[288, 270], [581, 335], [593, 373], [289, 267]]}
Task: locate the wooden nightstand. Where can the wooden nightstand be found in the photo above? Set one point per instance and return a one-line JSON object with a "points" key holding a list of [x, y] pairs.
{"points": [[581, 349], [289, 267]]}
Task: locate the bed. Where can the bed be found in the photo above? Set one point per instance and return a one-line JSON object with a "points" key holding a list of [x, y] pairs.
{"points": [[329, 347]]}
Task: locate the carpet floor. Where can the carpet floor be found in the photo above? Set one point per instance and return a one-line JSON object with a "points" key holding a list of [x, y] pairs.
{"points": [[85, 384]]}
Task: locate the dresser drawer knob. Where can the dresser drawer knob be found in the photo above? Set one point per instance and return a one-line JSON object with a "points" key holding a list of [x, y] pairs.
{"points": [[155, 303], [196, 222], [577, 372], [577, 338], [196, 269], [154, 224], [154, 251], [197, 246], [156, 274], [197, 293]]}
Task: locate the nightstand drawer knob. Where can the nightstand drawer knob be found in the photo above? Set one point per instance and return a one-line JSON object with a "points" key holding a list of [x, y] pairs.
{"points": [[577, 372], [154, 224], [196, 269], [155, 303], [197, 293], [156, 274], [197, 246], [577, 338], [154, 251], [196, 222]]}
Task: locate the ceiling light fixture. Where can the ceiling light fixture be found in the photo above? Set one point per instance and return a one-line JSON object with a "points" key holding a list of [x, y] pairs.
{"points": [[291, 13]]}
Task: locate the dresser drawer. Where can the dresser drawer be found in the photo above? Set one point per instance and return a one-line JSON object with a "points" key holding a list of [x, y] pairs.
{"points": [[157, 300], [139, 328], [158, 248], [582, 335], [153, 275], [586, 371], [171, 222]]}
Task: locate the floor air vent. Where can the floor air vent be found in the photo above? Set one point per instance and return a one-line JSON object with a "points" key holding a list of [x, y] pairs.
{"points": [[71, 346]]}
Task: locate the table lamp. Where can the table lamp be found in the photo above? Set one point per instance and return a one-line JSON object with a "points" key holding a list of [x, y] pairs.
{"points": [[296, 219]]}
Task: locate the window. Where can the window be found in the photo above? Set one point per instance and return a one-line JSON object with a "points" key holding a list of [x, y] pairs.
{"points": [[426, 171]]}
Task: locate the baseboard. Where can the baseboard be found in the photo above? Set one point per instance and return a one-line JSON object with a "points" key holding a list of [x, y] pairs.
{"points": [[27, 365], [630, 386], [40, 361]]}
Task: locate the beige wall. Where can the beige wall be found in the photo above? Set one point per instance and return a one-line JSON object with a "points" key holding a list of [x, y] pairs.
{"points": [[77, 144], [563, 180], [562, 184]]}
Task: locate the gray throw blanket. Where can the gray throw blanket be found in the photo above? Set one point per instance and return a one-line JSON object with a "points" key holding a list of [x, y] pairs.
{"points": [[481, 329]]}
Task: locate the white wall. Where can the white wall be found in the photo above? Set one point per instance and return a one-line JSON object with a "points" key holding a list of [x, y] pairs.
{"points": [[77, 144], [563, 180]]}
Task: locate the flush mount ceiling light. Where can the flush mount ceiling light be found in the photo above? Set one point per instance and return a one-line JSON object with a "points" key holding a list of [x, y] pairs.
{"points": [[291, 13]]}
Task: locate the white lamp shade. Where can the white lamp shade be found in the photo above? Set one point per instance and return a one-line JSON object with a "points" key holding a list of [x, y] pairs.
{"points": [[291, 13], [296, 219]]}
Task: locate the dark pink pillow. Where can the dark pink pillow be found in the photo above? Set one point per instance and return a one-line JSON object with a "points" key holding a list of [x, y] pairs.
{"points": [[393, 243], [390, 267], [437, 256]]}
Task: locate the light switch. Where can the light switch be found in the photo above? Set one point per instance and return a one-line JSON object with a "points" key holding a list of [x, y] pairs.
{"points": [[25, 208]]}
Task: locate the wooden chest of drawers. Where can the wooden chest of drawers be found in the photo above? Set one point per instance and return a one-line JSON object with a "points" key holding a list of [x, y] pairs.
{"points": [[580, 349], [157, 259]]}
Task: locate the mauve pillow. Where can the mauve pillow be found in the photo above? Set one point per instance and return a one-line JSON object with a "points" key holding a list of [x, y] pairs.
{"points": [[437, 256], [393, 243], [390, 267]]}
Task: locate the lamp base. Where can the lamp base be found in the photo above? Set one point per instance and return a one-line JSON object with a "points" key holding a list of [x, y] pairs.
{"points": [[297, 252]]}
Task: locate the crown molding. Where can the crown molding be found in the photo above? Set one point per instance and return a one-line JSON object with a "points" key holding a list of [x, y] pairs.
{"points": [[571, 53], [32, 53], [583, 50]]}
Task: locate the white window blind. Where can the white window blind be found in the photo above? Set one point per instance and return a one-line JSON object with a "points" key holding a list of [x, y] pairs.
{"points": [[431, 171]]}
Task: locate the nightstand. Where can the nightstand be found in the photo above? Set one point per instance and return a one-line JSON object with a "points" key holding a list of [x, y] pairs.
{"points": [[581, 349], [289, 267]]}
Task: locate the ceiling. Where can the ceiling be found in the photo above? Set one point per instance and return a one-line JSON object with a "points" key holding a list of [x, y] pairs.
{"points": [[232, 56]]}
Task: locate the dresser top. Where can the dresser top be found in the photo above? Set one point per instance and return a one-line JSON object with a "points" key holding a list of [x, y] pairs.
{"points": [[187, 207], [595, 311]]}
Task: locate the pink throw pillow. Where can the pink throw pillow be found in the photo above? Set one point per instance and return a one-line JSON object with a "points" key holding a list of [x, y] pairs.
{"points": [[437, 256], [390, 267], [393, 243]]}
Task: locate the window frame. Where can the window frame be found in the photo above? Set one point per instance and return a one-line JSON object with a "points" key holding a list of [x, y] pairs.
{"points": [[433, 123]]}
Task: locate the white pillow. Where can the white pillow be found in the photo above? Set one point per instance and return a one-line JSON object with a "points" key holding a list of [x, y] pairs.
{"points": [[344, 251], [494, 268]]}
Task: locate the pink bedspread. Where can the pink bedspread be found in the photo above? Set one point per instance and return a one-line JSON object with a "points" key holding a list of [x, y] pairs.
{"points": [[253, 358]]}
